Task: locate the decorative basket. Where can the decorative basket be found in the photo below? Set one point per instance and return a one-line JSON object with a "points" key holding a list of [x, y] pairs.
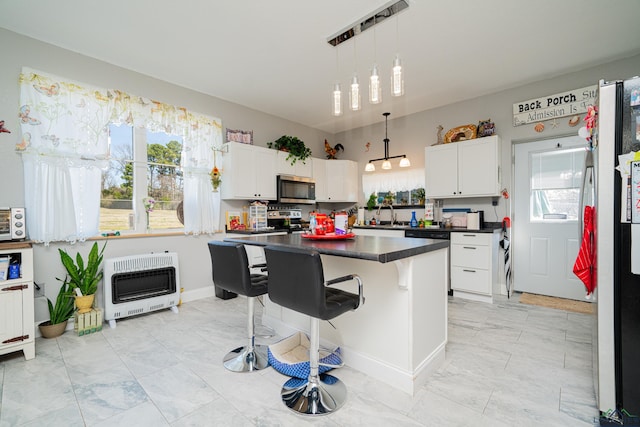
{"points": [[290, 356]]}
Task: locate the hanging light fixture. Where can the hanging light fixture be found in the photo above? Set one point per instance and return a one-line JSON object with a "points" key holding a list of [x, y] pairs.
{"points": [[337, 100], [354, 90], [375, 91], [386, 164], [336, 96], [397, 76]]}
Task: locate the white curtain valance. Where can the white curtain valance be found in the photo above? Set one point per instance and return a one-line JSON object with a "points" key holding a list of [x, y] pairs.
{"points": [[406, 180], [65, 128]]}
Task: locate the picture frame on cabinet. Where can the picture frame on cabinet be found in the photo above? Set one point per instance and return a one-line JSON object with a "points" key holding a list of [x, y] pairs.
{"points": [[241, 136]]}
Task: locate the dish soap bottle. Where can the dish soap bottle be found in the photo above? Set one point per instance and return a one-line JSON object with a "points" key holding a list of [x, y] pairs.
{"points": [[414, 221]]}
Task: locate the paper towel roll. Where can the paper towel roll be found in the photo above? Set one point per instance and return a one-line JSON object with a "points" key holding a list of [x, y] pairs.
{"points": [[361, 216], [473, 221]]}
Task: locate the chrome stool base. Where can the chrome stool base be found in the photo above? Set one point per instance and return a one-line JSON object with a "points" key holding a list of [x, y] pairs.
{"points": [[321, 395], [243, 360]]}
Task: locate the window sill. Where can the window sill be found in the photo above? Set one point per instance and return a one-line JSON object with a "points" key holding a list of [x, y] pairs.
{"points": [[144, 235]]}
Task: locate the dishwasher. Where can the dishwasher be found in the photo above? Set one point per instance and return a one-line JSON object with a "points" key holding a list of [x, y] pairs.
{"points": [[433, 233]]}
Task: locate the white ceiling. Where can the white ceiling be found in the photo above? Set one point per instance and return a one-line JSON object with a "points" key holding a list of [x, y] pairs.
{"points": [[273, 56]]}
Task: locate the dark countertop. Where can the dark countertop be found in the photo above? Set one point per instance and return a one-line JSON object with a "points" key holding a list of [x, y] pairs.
{"points": [[488, 227], [380, 249]]}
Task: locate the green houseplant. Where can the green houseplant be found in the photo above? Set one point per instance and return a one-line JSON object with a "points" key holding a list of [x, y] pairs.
{"points": [[295, 147], [84, 277], [59, 313]]}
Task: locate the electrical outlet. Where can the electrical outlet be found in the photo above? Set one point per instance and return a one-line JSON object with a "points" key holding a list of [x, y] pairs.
{"points": [[494, 202], [38, 290]]}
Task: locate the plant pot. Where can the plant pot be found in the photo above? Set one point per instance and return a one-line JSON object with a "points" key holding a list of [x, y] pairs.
{"points": [[47, 330], [84, 303]]}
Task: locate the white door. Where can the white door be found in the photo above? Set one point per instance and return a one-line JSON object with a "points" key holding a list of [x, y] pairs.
{"points": [[546, 235]]}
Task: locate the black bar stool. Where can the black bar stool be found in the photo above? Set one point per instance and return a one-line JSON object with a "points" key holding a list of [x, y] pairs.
{"points": [[296, 281], [230, 268]]}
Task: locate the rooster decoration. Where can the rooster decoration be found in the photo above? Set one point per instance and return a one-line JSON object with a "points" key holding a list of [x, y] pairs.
{"points": [[332, 151]]}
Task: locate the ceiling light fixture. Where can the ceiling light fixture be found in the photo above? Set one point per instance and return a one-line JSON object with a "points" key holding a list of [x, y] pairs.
{"points": [[354, 91], [375, 89], [386, 164], [397, 76], [336, 96]]}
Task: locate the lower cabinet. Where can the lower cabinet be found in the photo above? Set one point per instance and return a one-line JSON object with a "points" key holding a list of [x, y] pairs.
{"points": [[17, 326], [474, 265]]}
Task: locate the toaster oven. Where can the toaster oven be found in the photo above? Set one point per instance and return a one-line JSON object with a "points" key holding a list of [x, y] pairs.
{"points": [[13, 224]]}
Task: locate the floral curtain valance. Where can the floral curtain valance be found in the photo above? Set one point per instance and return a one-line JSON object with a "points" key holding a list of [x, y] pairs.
{"points": [[71, 119], [65, 134], [392, 181]]}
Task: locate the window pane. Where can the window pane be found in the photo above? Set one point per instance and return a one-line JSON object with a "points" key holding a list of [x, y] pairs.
{"points": [[116, 203], [555, 184], [165, 183]]}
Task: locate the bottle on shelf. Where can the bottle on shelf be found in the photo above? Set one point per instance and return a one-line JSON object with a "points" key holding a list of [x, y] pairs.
{"points": [[414, 221]]}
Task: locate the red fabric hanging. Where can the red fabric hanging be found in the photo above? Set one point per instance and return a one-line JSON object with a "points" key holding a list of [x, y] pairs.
{"points": [[584, 266]]}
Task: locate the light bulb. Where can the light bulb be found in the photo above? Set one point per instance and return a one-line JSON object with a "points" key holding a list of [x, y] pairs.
{"points": [[386, 164], [375, 91], [354, 94], [397, 79], [370, 167], [337, 100], [405, 163]]}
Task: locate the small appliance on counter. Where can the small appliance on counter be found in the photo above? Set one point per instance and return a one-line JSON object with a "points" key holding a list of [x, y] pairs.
{"points": [[12, 224], [475, 220]]}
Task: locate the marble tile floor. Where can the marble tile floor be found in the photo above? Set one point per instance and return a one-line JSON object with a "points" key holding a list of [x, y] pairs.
{"points": [[507, 364]]}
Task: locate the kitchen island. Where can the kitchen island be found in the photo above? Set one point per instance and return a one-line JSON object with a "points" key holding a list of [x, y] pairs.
{"points": [[399, 335]]}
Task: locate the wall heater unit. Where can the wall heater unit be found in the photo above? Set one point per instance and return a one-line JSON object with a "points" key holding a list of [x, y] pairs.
{"points": [[139, 284]]}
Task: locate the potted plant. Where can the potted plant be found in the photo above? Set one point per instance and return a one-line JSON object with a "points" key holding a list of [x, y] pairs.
{"points": [[420, 195], [59, 313], [294, 146], [371, 203], [84, 277]]}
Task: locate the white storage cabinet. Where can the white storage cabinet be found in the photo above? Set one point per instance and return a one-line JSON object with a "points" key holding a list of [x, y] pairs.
{"points": [[336, 180], [463, 169], [474, 265], [248, 172], [17, 328], [299, 168]]}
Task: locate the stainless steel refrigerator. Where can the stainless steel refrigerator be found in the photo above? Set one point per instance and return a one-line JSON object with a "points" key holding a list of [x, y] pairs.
{"points": [[617, 257]]}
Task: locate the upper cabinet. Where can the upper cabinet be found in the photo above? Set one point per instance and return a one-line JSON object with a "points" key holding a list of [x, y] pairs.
{"points": [[249, 172], [463, 169], [299, 168], [336, 180]]}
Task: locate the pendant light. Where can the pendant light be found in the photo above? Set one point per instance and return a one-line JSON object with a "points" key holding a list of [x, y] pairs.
{"points": [[354, 93], [336, 96], [397, 76], [386, 164], [337, 100], [375, 91]]}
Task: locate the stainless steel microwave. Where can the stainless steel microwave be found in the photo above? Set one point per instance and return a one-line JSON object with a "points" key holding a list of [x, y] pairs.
{"points": [[296, 189], [13, 224]]}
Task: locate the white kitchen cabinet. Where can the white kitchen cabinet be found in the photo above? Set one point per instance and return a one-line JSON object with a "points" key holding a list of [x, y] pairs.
{"points": [[299, 168], [248, 172], [474, 265], [336, 180], [17, 327], [463, 169]]}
